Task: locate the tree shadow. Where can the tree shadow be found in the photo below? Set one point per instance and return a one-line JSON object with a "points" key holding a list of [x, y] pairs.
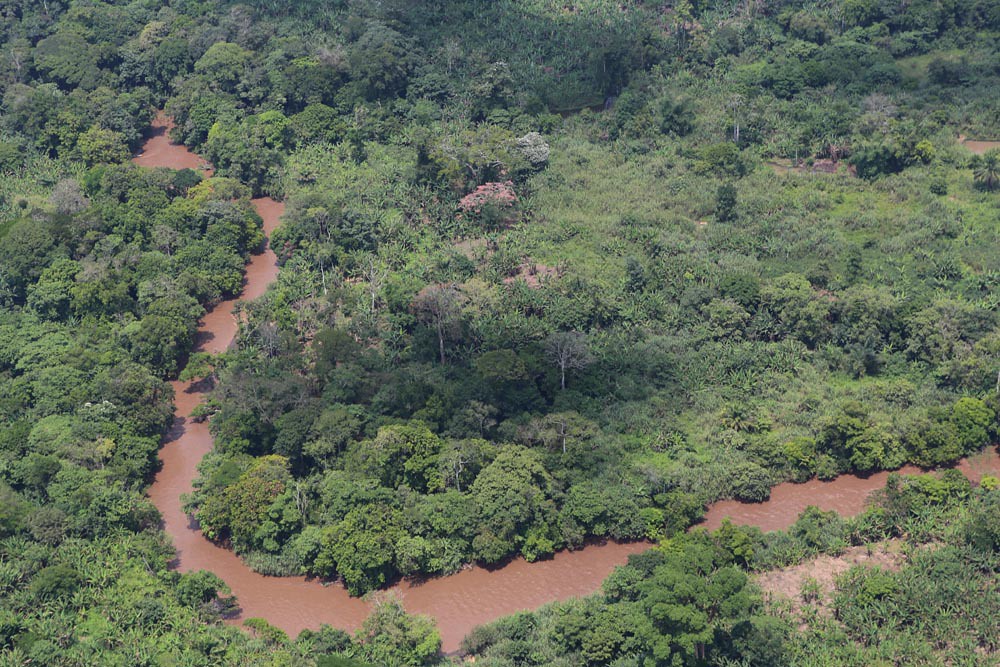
{"points": [[202, 386]]}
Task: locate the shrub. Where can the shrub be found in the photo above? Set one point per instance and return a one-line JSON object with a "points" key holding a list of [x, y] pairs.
{"points": [[55, 582], [750, 483], [534, 148], [725, 203]]}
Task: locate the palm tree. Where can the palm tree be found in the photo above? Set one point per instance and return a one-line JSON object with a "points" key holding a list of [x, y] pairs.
{"points": [[986, 169]]}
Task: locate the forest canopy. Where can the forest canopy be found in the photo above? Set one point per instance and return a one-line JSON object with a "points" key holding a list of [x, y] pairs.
{"points": [[551, 273]]}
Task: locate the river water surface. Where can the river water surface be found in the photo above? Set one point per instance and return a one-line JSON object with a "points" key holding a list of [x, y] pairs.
{"points": [[846, 494]]}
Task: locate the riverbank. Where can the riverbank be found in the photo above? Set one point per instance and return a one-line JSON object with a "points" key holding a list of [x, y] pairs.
{"points": [[459, 602]]}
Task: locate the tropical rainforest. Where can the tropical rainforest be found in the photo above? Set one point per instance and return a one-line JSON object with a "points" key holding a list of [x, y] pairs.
{"points": [[551, 273]]}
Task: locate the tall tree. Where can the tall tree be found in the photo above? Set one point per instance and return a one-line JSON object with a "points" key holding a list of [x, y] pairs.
{"points": [[439, 307], [986, 169], [569, 351]]}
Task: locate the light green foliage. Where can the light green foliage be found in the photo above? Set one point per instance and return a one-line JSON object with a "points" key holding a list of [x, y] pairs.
{"points": [[240, 508], [100, 146], [361, 547], [473, 156], [252, 151], [394, 638], [973, 421], [317, 123], [602, 510], [50, 296], [402, 455], [224, 64], [799, 310]]}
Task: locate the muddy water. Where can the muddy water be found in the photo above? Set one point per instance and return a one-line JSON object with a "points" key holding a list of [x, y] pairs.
{"points": [[158, 151], [846, 495], [458, 603]]}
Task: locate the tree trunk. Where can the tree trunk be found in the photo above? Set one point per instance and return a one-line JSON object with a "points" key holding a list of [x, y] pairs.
{"points": [[440, 330]]}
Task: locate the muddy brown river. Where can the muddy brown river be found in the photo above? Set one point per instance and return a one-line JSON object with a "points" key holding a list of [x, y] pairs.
{"points": [[846, 494], [458, 602]]}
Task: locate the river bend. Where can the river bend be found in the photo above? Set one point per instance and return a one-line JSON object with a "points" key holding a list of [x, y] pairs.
{"points": [[458, 602]]}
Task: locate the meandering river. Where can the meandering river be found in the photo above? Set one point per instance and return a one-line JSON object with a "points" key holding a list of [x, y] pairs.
{"points": [[458, 602]]}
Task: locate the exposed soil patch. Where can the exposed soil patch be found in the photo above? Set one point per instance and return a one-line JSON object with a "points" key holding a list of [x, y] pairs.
{"points": [[978, 147], [820, 166], [821, 573], [535, 275]]}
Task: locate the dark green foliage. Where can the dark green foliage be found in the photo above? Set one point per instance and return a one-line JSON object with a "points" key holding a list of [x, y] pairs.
{"points": [[55, 582], [10, 156], [725, 203], [980, 528], [722, 159], [986, 169], [684, 604], [877, 159], [13, 510], [513, 497], [689, 602], [382, 60], [317, 123]]}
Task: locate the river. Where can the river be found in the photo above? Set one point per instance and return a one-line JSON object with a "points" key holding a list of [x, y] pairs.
{"points": [[458, 602], [846, 494]]}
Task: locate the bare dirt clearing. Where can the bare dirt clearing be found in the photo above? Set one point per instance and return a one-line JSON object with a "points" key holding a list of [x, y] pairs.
{"points": [[820, 574]]}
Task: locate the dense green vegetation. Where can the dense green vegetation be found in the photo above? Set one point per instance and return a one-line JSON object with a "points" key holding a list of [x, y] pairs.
{"points": [[500, 333], [550, 272]]}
